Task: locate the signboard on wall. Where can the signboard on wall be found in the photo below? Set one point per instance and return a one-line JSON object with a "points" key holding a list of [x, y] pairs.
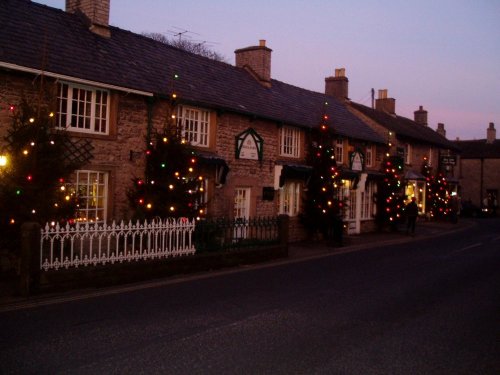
{"points": [[357, 160], [249, 145], [449, 160]]}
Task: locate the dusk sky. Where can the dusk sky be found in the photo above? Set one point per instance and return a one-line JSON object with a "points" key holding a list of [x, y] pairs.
{"points": [[441, 54]]}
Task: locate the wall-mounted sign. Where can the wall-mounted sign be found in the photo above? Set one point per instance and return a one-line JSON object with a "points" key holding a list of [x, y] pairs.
{"points": [[357, 160], [249, 145]]}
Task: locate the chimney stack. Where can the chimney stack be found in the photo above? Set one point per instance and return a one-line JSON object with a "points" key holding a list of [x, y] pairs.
{"points": [[420, 116], [95, 11], [441, 130], [491, 133], [257, 60], [338, 85], [385, 104]]}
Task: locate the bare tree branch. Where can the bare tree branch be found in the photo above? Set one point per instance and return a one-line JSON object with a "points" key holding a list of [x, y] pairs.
{"points": [[199, 48]]}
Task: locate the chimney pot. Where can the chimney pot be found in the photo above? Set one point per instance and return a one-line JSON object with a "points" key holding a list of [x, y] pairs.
{"points": [[340, 72], [262, 43], [382, 94]]}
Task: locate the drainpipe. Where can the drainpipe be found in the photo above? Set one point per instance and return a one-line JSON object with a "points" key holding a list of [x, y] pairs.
{"points": [[149, 104], [481, 184], [149, 129]]}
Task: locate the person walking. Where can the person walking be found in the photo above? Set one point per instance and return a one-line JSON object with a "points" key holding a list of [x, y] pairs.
{"points": [[411, 216]]}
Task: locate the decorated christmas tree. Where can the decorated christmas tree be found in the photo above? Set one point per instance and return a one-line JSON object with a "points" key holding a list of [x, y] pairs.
{"points": [[390, 197], [37, 160], [437, 198], [322, 208], [172, 185]]}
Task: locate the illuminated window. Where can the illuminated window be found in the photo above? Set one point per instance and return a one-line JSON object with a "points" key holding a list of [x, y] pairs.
{"points": [[82, 109], [91, 189], [289, 142], [290, 198], [195, 125]]}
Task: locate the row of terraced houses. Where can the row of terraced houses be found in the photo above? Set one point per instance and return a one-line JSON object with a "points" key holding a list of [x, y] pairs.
{"points": [[249, 130]]}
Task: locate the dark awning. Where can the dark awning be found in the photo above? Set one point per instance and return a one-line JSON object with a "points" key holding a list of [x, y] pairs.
{"points": [[412, 175], [208, 159], [295, 172], [374, 176], [348, 174]]}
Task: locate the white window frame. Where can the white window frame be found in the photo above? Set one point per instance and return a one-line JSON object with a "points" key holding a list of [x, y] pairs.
{"points": [[369, 156], [290, 199], [339, 151], [289, 141], [83, 109], [195, 125], [91, 188]]}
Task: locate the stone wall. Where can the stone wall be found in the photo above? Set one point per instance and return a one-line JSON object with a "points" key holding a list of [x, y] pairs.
{"points": [[471, 181]]}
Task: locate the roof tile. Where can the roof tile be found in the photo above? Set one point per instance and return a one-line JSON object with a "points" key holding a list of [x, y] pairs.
{"points": [[52, 40]]}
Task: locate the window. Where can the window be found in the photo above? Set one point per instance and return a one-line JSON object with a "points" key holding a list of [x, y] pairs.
{"points": [[430, 156], [367, 206], [289, 142], [82, 109], [91, 188], [289, 198], [369, 156], [339, 151], [194, 124], [407, 153]]}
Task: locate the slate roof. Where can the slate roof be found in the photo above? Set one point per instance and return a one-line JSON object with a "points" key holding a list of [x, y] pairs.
{"points": [[405, 128], [477, 149], [32, 33]]}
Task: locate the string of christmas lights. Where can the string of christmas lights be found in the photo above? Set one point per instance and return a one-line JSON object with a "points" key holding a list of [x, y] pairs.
{"points": [[33, 173], [322, 205], [172, 186]]}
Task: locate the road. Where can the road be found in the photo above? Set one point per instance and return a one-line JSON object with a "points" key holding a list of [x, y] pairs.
{"points": [[425, 307]]}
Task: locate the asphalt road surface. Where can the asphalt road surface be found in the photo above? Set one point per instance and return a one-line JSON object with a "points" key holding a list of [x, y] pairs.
{"points": [[426, 307]]}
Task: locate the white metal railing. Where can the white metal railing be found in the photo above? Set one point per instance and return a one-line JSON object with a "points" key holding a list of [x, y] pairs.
{"points": [[92, 244]]}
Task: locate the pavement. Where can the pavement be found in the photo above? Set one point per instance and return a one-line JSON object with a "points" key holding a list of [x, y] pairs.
{"points": [[424, 229], [296, 252]]}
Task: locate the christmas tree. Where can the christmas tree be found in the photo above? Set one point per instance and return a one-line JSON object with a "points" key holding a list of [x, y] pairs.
{"points": [[172, 185], [437, 198], [322, 208], [37, 161], [390, 198]]}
